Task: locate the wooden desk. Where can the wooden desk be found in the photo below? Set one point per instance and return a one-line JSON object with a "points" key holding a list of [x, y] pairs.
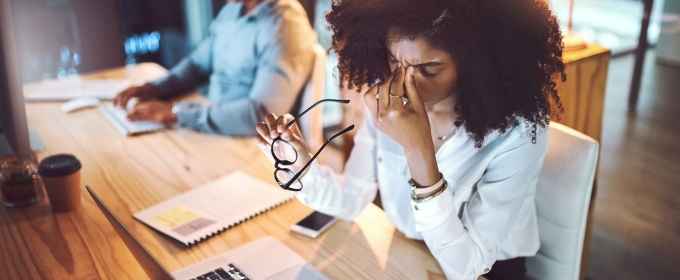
{"points": [[132, 173]]}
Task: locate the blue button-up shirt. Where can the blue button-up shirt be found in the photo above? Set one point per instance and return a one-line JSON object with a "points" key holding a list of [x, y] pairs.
{"points": [[255, 64]]}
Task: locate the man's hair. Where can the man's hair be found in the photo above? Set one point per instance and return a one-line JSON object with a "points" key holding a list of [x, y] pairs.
{"points": [[508, 54]]}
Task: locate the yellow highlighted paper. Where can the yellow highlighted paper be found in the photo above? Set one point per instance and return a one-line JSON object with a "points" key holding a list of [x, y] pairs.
{"points": [[175, 216]]}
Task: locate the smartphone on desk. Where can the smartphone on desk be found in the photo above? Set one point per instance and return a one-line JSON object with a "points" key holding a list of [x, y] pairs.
{"points": [[314, 224]]}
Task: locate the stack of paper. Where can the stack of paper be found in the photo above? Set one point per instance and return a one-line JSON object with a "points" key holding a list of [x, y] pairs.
{"points": [[62, 90]]}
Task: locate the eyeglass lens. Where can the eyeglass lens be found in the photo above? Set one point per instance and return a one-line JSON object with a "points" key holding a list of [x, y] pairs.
{"points": [[285, 175], [284, 152]]}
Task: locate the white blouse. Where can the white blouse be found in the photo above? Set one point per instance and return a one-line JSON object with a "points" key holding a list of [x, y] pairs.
{"points": [[487, 213]]}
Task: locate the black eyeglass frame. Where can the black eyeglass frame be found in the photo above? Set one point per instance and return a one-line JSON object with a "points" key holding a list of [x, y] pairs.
{"points": [[278, 163]]}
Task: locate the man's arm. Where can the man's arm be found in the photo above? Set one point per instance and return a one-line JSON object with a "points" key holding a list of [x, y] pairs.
{"points": [[190, 72], [285, 65]]}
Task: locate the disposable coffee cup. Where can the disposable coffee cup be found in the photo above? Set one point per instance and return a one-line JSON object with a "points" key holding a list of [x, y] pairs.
{"points": [[61, 178]]}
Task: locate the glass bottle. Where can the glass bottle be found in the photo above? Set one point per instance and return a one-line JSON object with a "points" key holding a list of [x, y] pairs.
{"points": [[20, 184]]}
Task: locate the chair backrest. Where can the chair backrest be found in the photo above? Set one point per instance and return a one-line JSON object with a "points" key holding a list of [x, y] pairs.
{"points": [[562, 200], [311, 124]]}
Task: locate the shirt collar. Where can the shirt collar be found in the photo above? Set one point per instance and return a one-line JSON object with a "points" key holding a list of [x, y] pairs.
{"points": [[261, 9]]}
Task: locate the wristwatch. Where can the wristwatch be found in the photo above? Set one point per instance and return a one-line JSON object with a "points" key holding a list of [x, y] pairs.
{"points": [[186, 112], [176, 108]]}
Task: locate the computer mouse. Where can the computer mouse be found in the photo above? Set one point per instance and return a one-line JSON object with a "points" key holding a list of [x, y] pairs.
{"points": [[80, 103]]}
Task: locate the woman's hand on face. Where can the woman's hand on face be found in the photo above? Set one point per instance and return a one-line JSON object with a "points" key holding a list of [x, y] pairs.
{"points": [[407, 124], [273, 127]]}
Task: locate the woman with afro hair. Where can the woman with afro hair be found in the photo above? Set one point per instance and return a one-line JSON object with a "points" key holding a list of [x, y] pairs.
{"points": [[460, 96]]}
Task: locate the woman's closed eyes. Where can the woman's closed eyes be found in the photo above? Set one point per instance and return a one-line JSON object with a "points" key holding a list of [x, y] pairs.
{"points": [[421, 68], [425, 73]]}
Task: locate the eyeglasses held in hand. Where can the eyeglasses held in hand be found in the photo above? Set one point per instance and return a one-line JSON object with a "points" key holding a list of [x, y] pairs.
{"points": [[285, 154]]}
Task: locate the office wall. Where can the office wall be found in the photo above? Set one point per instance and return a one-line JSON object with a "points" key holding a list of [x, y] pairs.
{"points": [[56, 37], [98, 26], [309, 6]]}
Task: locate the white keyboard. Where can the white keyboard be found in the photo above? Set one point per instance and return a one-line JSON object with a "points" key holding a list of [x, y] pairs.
{"points": [[118, 117]]}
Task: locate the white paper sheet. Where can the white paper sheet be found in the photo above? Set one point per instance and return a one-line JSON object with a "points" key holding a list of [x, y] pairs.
{"points": [[58, 90]]}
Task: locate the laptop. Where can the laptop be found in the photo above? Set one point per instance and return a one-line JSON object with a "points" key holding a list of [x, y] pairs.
{"points": [[265, 258]]}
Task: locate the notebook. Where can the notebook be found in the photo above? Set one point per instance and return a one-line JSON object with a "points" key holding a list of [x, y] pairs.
{"points": [[202, 212], [62, 90], [118, 118]]}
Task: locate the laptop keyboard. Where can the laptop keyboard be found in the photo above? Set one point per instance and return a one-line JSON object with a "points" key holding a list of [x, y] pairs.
{"points": [[231, 273]]}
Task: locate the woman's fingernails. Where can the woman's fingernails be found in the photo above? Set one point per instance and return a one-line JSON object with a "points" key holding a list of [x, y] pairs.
{"points": [[280, 128]]}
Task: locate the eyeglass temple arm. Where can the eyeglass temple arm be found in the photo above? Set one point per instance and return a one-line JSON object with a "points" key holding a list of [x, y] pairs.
{"points": [[297, 175], [317, 103]]}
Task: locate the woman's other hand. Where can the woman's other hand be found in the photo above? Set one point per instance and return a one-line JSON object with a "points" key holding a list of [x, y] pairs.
{"points": [[407, 124], [273, 127]]}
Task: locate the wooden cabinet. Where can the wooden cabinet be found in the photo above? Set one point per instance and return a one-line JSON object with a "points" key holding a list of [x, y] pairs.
{"points": [[583, 92]]}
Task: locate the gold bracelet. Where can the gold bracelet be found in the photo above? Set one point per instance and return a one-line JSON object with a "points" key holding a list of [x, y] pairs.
{"points": [[425, 190], [415, 198]]}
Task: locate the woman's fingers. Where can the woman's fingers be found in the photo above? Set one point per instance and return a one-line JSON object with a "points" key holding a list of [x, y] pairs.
{"points": [[270, 120], [264, 146], [283, 121], [412, 91], [274, 126], [288, 134], [281, 126], [397, 89], [260, 141], [371, 102], [263, 131], [397, 84], [384, 93]]}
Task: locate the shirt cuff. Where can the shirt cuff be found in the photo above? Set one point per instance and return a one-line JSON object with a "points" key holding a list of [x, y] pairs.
{"points": [[187, 114], [308, 181], [433, 212]]}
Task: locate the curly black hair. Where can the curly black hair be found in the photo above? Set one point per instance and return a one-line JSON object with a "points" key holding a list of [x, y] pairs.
{"points": [[508, 53]]}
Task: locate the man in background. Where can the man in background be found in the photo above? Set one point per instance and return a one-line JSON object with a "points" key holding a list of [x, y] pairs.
{"points": [[256, 60]]}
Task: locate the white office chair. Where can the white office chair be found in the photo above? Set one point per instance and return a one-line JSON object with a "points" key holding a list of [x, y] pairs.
{"points": [[311, 125], [562, 199]]}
